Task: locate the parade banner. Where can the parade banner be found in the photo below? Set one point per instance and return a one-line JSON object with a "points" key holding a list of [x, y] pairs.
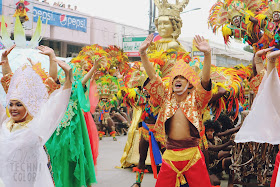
{"points": [[131, 45], [60, 20]]}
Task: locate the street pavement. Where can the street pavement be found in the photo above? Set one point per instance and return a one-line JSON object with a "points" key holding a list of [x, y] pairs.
{"points": [[110, 153]]}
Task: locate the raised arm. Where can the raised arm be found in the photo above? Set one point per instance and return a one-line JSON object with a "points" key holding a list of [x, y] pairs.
{"points": [[271, 57], [53, 65], [203, 46], [68, 73], [144, 58], [229, 131], [258, 58], [6, 69], [92, 70]]}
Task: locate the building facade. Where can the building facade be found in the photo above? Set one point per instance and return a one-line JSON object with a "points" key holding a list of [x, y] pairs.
{"points": [[67, 30]]}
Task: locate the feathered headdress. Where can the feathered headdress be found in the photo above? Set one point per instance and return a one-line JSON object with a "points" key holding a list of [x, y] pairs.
{"points": [[88, 55], [107, 86], [222, 12], [117, 58]]}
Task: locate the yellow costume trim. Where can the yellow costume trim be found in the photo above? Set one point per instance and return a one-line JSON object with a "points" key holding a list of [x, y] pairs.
{"points": [[137, 113], [226, 31], [191, 154], [13, 126], [250, 25]]}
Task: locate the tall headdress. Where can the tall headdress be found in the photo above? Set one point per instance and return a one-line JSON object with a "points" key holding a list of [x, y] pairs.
{"points": [[181, 68], [28, 88], [223, 11], [107, 86], [88, 55], [167, 9], [117, 58]]}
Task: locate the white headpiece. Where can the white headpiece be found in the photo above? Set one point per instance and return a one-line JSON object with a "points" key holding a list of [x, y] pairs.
{"points": [[28, 88]]}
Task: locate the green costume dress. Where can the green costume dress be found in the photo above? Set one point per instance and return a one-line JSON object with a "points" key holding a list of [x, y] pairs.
{"points": [[69, 147]]}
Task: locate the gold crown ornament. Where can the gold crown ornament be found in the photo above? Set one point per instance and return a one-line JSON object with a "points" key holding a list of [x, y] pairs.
{"points": [[167, 9]]}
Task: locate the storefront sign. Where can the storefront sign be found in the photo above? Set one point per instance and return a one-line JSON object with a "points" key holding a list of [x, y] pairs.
{"points": [[1, 7], [131, 45], [60, 20]]}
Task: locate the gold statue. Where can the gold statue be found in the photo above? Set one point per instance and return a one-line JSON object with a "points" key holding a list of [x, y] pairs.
{"points": [[169, 24]]}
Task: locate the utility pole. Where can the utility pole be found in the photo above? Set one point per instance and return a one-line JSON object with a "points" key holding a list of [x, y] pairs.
{"points": [[152, 15]]}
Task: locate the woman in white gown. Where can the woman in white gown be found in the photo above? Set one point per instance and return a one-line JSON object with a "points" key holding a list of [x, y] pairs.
{"points": [[34, 117], [262, 124]]}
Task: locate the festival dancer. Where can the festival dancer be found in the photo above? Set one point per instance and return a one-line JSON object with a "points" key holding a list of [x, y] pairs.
{"points": [[264, 111], [168, 24], [106, 87], [70, 147], [34, 117], [237, 19], [146, 142], [183, 120]]}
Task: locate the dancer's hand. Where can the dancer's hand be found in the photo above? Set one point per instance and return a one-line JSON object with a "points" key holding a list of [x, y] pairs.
{"points": [[6, 69], [68, 73], [100, 62], [46, 51], [202, 44], [119, 75], [5, 54], [273, 55], [144, 46], [262, 52], [31, 62], [3, 62]]}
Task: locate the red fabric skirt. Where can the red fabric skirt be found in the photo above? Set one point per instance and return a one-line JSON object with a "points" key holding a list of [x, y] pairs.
{"points": [[275, 171], [93, 135], [196, 175]]}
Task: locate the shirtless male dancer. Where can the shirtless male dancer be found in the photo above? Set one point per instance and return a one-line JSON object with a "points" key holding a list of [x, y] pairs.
{"points": [[180, 118]]}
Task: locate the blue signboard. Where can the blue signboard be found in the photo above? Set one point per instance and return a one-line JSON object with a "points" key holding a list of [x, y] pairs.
{"points": [[60, 20], [1, 7]]}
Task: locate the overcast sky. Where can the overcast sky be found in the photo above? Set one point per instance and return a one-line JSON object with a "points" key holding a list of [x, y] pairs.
{"points": [[136, 13]]}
